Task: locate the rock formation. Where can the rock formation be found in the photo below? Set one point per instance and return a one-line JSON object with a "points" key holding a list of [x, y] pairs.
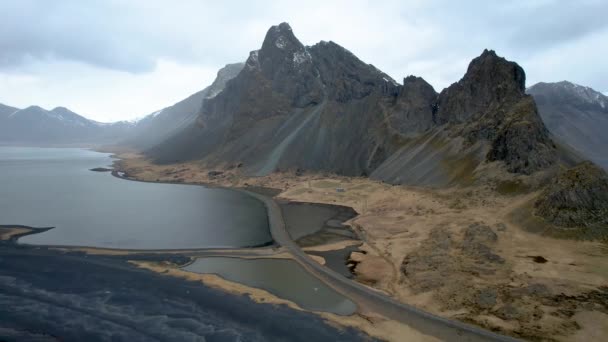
{"points": [[320, 108], [577, 197]]}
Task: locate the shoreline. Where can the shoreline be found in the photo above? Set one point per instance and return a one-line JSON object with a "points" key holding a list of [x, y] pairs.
{"points": [[16, 231], [463, 332], [398, 224]]}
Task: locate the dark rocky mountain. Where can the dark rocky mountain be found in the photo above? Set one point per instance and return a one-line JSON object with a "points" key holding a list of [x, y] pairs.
{"points": [[60, 126], [160, 125], [484, 117], [575, 115], [321, 108], [292, 106]]}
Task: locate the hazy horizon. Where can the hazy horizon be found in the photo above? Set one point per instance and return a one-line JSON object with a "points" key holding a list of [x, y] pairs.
{"points": [[112, 60]]}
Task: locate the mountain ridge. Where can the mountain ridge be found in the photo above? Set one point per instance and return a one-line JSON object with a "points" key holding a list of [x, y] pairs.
{"points": [[575, 115], [58, 126], [320, 108]]}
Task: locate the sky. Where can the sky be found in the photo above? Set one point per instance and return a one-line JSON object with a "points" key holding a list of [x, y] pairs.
{"points": [[117, 60]]}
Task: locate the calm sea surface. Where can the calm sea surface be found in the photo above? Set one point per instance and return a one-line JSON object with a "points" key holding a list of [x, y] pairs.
{"points": [[53, 187]]}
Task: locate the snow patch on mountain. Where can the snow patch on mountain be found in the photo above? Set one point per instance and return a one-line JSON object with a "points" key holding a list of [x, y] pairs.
{"points": [[281, 43], [300, 57], [15, 112]]}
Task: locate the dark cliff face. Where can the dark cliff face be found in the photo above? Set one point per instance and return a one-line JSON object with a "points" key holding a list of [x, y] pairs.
{"points": [[575, 115], [321, 108], [484, 117], [491, 105], [489, 83], [414, 106], [522, 141]]}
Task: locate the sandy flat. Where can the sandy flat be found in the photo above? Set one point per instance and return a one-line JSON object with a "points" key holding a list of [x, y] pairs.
{"points": [[495, 283]]}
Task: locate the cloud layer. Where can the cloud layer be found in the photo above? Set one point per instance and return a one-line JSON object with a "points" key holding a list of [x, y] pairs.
{"points": [[121, 59]]}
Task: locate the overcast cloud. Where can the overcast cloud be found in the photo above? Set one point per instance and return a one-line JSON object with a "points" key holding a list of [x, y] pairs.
{"points": [[116, 60]]}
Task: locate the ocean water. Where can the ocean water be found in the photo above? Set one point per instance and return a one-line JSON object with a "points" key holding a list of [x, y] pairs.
{"points": [[53, 187]]}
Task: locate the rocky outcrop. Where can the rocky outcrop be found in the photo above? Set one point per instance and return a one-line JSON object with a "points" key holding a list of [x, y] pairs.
{"points": [[491, 105], [490, 83], [521, 140], [414, 107], [578, 197]]}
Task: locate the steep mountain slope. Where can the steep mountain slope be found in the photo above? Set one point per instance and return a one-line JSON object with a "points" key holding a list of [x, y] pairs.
{"points": [[321, 108], [35, 125], [158, 126], [482, 118], [576, 115], [291, 107]]}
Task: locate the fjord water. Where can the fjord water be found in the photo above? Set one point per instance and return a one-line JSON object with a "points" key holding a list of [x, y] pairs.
{"points": [[53, 187]]}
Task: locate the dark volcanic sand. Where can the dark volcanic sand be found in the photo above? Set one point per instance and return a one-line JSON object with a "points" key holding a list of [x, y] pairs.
{"points": [[47, 295]]}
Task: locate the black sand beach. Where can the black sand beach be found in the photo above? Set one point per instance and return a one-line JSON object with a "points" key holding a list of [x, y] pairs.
{"points": [[47, 295]]}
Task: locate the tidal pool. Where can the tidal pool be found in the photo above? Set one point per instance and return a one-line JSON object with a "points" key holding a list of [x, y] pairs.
{"points": [[282, 277], [53, 187]]}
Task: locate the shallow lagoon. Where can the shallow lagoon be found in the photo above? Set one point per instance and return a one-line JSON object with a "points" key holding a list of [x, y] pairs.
{"points": [[53, 187], [282, 277]]}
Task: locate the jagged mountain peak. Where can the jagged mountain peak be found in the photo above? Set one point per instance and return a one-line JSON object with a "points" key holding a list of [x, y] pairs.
{"points": [[279, 35], [280, 40], [490, 81], [497, 70]]}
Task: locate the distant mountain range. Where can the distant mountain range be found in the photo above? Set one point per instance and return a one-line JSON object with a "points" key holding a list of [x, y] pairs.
{"points": [[61, 127], [320, 108], [576, 115], [37, 126]]}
